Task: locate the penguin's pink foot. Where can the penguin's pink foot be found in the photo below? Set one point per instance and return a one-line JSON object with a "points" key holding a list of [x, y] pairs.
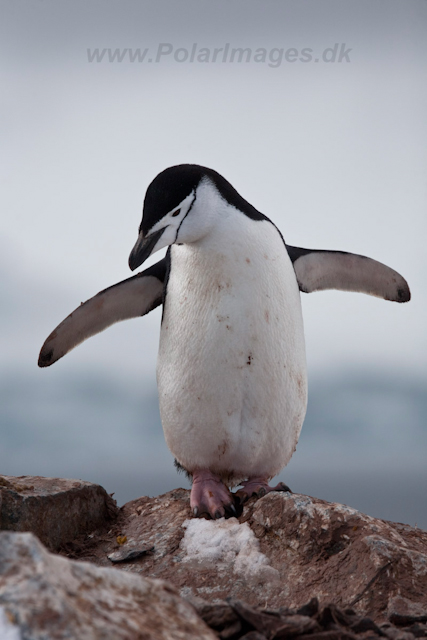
{"points": [[210, 495], [258, 487]]}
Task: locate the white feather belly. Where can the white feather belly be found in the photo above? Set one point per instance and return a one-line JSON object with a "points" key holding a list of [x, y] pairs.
{"points": [[231, 368]]}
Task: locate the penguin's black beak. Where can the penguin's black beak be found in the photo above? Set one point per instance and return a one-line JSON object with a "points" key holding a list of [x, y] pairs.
{"points": [[143, 248]]}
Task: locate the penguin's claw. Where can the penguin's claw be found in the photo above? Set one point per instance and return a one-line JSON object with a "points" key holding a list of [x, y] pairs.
{"points": [[242, 496], [282, 487], [210, 495], [258, 487]]}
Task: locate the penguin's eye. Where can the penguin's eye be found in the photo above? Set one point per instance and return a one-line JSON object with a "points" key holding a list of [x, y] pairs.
{"points": [[176, 213]]}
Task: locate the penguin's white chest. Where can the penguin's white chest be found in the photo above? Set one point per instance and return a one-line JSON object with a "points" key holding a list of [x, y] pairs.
{"points": [[231, 367]]}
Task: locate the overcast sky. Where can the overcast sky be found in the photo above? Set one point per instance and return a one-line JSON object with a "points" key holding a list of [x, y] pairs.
{"points": [[334, 152]]}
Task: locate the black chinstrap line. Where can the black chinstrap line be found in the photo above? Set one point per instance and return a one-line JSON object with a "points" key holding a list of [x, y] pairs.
{"points": [[189, 209]]}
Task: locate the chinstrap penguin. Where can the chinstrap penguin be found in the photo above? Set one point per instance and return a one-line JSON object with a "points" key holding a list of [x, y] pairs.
{"points": [[231, 369]]}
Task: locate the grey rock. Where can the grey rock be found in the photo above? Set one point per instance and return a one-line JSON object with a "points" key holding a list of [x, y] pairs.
{"points": [[54, 509], [128, 553], [48, 597]]}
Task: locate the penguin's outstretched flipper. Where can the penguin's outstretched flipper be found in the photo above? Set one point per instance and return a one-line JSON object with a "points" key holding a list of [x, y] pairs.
{"points": [[131, 298], [317, 270]]}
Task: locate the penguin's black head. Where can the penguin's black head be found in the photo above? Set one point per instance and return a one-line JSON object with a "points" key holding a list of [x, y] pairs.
{"points": [[169, 200], [167, 191]]}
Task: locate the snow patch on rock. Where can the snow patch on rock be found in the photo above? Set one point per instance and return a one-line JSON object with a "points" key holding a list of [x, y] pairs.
{"points": [[229, 545]]}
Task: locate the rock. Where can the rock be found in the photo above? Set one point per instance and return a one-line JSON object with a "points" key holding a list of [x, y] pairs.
{"points": [[221, 617], [341, 554], [54, 509], [283, 550], [328, 623], [289, 566], [48, 597], [403, 612], [129, 553], [275, 625], [309, 609], [8, 630]]}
